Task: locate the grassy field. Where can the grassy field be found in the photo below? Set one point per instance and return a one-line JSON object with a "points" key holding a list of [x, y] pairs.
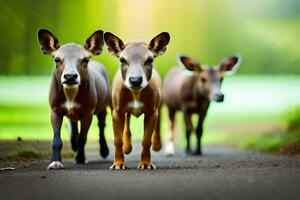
{"points": [[254, 105]]}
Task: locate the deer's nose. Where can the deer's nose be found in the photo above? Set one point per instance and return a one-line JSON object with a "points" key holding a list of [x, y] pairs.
{"points": [[219, 97], [70, 76], [136, 81]]}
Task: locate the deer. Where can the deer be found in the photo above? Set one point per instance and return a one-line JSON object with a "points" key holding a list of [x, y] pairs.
{"points": [[136, 90], [192, 93], [79, 89]]}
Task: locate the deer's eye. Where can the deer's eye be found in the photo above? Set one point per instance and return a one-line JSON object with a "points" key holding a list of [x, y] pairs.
{"points": [[57, 60], [203, 79], [123, 61], [149, 61], [86, 60]]}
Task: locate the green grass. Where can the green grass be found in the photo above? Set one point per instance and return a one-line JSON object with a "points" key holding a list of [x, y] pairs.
{"points": [[276, 140], [253, 105], [293, 119], [33, 122], [272, 141], [27, 152]]}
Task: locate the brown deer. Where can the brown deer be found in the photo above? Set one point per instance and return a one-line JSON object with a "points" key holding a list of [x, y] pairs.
{"points": [[79, 89], [192, 94], [136, 90]]}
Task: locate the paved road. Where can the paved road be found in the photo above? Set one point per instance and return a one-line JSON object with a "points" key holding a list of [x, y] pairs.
{"points": [[220, 174]]}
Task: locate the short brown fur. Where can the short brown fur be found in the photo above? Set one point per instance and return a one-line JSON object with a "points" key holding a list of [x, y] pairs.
{"points": [[192, 94], [79, 89], [124, 94]]}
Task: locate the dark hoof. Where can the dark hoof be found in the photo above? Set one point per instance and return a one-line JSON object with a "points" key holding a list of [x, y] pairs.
{"points": [[188, 153], [80, 162], [104, 151], [197, 153], [80, 159]]}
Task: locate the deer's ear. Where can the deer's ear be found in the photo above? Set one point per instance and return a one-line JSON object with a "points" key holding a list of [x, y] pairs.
{"points": [[95, 42], [48, 42], [189, 63], [230, 64], [158, 45], [115, 44]]}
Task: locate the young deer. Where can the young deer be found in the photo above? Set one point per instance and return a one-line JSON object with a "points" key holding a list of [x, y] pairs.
{"points": [[136, 90], [79, 89], [193, 94]]}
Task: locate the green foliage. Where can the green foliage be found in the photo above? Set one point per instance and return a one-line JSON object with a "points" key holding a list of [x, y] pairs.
{"points": [[278, 138], [264, 32], [247, 111], [293, 120], [272, 141]]}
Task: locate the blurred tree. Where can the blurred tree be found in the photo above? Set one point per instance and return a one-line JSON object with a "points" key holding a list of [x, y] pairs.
{"points": [[265, 32]]}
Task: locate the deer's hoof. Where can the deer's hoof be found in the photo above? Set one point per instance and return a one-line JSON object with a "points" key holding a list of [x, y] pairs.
{"points": [[118, 166], [146, 165], [55, 165]]}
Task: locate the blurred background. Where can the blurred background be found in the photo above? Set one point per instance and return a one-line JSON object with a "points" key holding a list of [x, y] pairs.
{"points": [[261, 99]]}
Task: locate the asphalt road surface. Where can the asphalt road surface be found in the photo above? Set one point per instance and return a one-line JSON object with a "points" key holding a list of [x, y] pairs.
{"points": [[221, 173]]}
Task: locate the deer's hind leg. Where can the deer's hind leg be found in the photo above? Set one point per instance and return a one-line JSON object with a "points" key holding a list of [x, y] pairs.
{"points": [[170, 148], [104, 151], [74, 134]]}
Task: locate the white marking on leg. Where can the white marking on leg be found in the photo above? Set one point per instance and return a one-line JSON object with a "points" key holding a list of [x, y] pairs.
{"points": [[55, 165], [170, 149]]}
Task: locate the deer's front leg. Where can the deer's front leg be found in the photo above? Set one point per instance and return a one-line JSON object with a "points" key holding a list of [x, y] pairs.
{"points": [[149, 125], [56, 121], [118, 126], [81, 139], [156, 141], [127, 147]]}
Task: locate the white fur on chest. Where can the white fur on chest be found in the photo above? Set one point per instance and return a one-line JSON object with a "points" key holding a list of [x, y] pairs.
{"points": [[69, 105], [136, 107], [70, 94]]}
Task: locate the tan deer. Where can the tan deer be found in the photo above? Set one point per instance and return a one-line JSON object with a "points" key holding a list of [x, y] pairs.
{"points": [[193, 94], [136, 90]]}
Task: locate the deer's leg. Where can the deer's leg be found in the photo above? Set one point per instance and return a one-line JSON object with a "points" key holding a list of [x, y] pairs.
{"points": [[127, 135], [170, 149], [81, 139], [199, 132], [74, 134], [118, 120], [149, 125], [102, 141], [55, 161], [189, 129], [156, 141]]}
